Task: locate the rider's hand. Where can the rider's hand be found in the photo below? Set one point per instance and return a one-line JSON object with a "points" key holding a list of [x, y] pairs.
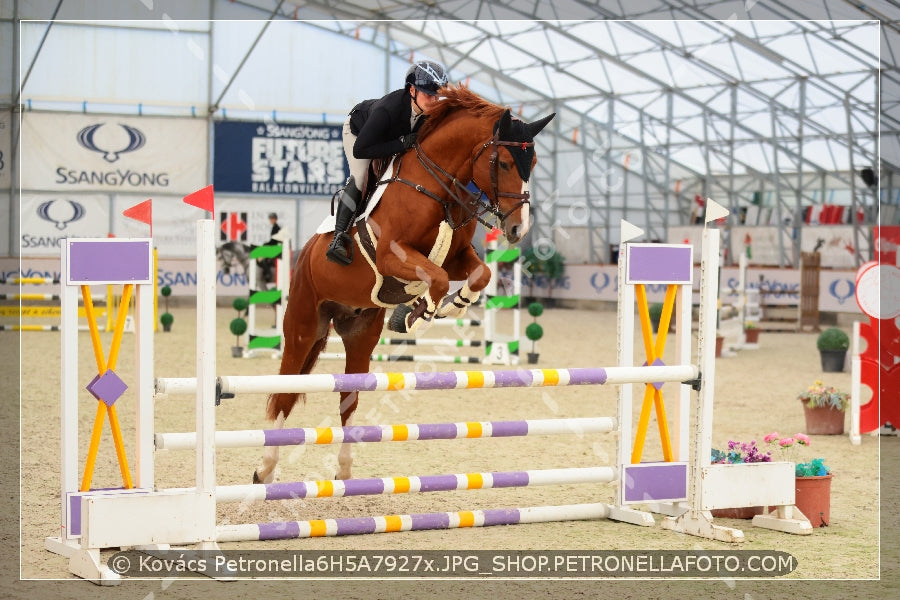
{"points": [[408, 140]]}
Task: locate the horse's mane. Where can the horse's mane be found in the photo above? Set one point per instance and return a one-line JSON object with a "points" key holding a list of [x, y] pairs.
{"points": [[454, 98]]}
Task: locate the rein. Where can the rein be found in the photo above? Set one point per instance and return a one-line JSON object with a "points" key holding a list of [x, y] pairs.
{"points": [[472, 204]]}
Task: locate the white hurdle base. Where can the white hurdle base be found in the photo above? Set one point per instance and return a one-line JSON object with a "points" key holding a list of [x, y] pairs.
{"points": [[152, 520]]}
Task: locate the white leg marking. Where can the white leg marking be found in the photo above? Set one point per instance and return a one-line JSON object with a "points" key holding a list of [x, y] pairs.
{"points": [[345, 457], [266, 472]]}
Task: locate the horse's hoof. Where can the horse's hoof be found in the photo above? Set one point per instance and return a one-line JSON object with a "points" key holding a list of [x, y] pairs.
{"points": [[397, 322], [256, 477]]}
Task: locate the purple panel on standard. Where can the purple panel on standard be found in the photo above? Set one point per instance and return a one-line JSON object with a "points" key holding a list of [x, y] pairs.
{"points": [[279, 531], [355, 525], [441, 380], [438, 483], [430, 521], [363, 487], [75, 515], [659, 263], [659, 481], [438, 431], [513, 378], [501, 516], [584, 376], [511, 479], [285, 491], [109, 261], [284, 437], [508, 428]]}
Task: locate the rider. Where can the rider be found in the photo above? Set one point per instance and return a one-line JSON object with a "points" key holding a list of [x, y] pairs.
{"points": [[381, 128]]}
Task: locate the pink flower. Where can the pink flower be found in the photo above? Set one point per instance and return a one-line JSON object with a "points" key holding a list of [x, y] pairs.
{"points": [[786, 442], [802, 439], [771, 437]]}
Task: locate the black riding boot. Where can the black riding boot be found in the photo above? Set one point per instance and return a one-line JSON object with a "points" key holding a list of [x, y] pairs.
{"points": [[341, 249]]}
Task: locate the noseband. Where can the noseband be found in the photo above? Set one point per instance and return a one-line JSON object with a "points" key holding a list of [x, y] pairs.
{"points": [[459, 194]]}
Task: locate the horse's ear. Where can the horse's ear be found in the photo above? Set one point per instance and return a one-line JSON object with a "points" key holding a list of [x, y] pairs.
{"points": [[505, 124], [535, 128]]}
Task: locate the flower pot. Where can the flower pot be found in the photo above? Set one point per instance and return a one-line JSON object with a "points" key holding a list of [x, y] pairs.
{"points": [[533, 358], [237, 351], [167, 327], [745, 512], [813, 498], [751, 336], [833, 360], [720, 342], [823, 420]]}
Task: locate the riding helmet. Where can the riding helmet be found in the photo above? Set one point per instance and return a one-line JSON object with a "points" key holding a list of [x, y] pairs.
{"points": [[426, 76]]}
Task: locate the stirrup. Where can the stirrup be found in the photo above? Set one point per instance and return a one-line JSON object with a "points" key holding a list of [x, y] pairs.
{"points": [[337, 250]]}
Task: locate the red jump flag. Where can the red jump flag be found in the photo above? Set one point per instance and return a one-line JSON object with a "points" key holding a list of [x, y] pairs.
{"points": [[202, 198], [142, 212]]}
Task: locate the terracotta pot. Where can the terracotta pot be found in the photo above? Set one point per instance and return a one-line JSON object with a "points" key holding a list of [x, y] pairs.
{"points": [[813, 498], [745, 512], [823, 420], [751, 336], [720, 342]]}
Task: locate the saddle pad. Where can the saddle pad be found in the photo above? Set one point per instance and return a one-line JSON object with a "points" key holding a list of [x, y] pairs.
{"points": [[327, 226]]}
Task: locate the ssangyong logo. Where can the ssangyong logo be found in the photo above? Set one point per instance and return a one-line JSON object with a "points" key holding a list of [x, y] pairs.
{"points": [[136, 140], [60, 212], [112, 147]]}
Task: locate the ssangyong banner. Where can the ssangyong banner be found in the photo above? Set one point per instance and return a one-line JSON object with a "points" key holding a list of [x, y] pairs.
{"points": [[47, 219], [113, 153], [278, 159]]}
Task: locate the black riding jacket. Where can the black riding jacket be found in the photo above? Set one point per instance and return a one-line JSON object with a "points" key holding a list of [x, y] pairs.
{"points": [[379, 123]]}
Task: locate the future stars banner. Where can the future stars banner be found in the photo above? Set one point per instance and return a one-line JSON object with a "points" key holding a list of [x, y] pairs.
{"points": [[278, 159]]}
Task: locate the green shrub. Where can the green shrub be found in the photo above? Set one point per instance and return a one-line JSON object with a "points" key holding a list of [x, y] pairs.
{"points": [[534, 332], [238, 326], [166, 291], [833, 339], [240, 304], [166, 318], [535, 309]]}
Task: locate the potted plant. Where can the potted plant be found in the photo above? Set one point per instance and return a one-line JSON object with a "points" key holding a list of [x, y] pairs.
{"points": [[541, 262], [238, 326], [534, 331], [824, 408], [720, 343], [166, 319], [737, 453], [812, 492], [751, 333], [833, 344]]}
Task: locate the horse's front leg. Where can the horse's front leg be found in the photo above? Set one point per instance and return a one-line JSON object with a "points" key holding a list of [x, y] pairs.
{"points": [[399, 259], [467, 266], [360, 336]]}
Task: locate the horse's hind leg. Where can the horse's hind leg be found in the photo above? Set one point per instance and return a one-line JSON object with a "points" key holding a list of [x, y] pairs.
{"points": [[305, 336], [360, 335]]}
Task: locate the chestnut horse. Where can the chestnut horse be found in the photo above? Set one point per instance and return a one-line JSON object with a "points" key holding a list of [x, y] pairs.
{"points": [[426, 210]]}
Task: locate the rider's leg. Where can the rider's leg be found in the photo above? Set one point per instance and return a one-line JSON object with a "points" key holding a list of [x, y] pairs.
{"points": [[341, 249]]}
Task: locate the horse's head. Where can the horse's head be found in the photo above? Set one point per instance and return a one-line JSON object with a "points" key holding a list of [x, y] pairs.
{"points": [[504, 171]]}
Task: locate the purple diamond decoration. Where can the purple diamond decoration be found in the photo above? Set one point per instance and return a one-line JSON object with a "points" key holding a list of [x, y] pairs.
{"points": [[107, 387], [657, 363]]}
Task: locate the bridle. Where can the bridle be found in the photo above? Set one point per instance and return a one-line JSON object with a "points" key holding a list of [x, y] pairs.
{"points": [[472, 204]]}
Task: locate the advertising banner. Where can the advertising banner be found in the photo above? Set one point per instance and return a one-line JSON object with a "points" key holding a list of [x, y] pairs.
{"points": [[122, 154], [47, 219], [278, 159]]}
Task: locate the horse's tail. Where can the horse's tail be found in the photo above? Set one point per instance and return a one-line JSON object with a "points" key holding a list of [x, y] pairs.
{"points": [[294, 361]]}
